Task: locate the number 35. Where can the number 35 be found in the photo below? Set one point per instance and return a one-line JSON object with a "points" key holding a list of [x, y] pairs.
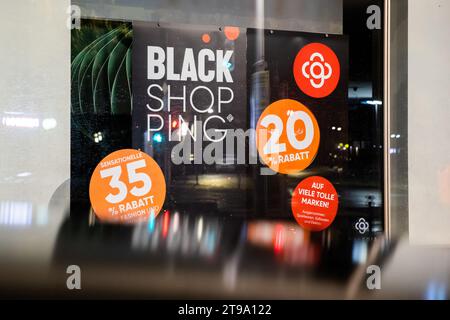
{"points": [[133, 177]]}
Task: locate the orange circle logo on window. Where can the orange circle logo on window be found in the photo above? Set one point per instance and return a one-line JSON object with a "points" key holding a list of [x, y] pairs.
{"points": [[287, 136], [232, 33], [127, 186], [315, 203], [317, 70]]}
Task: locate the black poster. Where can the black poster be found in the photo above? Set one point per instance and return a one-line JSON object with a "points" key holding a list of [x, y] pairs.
{"points": [[189, 83]]}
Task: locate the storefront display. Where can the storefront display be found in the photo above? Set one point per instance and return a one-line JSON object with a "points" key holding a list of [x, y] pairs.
{"points": [[232, 128]]}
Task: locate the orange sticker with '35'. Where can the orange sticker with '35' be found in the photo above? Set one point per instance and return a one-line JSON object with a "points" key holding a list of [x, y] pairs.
{"points": [[127, 186]]}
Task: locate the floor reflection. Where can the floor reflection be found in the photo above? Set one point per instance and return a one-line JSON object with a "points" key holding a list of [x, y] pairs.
{"points": [[193, 254], [196, 253], [229, 251]]}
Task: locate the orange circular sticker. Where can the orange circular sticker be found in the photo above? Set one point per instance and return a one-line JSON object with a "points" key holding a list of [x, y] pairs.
{"points": [[127, 186], [317, 70], [287, 136], [315, 203], [206, 38], [232, 33]]}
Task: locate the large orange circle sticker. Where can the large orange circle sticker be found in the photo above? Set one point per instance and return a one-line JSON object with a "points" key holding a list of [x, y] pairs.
{"points": [[317, 70], [287, 136], [127, 186], [315, 203]]}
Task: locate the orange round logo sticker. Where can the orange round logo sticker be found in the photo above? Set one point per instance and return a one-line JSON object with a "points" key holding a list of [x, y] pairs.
{"points": [[287, 136], [317, 70], [127, 186], [315, 203]]}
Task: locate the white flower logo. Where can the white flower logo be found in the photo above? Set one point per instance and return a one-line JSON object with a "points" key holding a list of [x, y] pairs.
{"points": [[316, 61], [362, 226]]}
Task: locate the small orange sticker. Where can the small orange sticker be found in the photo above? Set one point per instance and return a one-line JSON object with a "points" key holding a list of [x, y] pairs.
{"points": [[287, 136], [232, 33], [127, 186], [206, 38]]}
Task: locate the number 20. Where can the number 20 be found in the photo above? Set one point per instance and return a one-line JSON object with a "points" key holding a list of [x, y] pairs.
{"points": [[273, 145]]}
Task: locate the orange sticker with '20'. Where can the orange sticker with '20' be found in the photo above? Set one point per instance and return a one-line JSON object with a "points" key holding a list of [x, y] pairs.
{"points": [[127, 186], [287, 136]]}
